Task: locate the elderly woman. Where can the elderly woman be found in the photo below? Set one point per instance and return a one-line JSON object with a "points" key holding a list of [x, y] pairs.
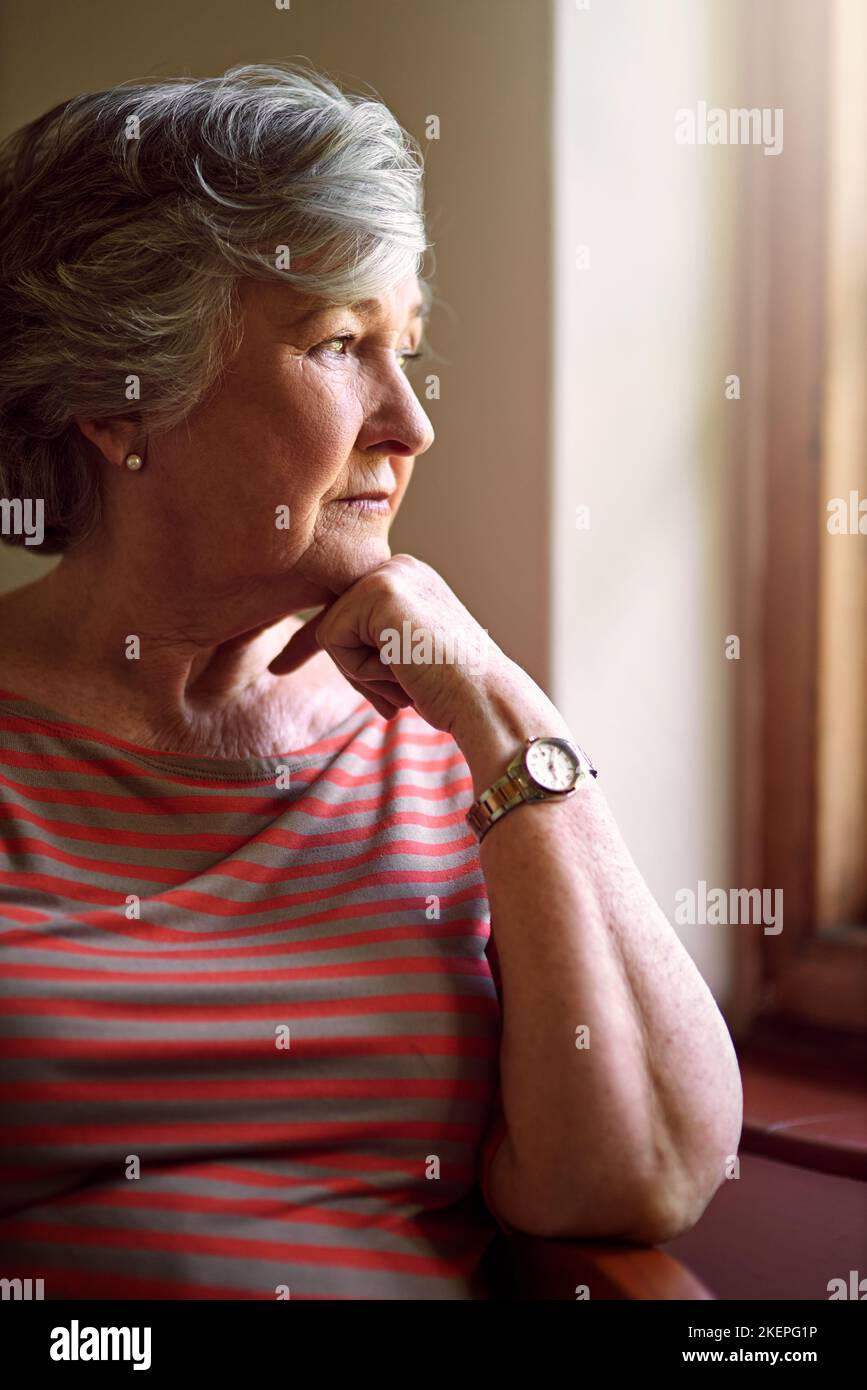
{"points": [[323, 954]]}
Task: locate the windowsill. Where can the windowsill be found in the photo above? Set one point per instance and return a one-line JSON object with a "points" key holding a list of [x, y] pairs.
{"points": [[803, 1105]]}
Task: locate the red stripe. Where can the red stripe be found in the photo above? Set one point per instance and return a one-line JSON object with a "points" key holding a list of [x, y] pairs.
{"points": [[317, 808], [219, 801], [155, 805], [282, 1209], [247, 870], [250, 1177], [233, 1247], [72, 830], [198, 901], [319, 1133], [242, 871], [206, 905], [138, 1009], [200, 1052], [245, 1088], [49, 941], [209, 1171], [216, 842], [20, 914], [113, 768], [346, 970]]}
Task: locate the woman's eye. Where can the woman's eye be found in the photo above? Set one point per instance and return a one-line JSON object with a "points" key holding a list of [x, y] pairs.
{"points": [[404, 358], [328, 344], [341, 341]]}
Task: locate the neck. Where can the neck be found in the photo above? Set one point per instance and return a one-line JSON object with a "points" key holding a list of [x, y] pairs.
{"points": [[179, 671]]}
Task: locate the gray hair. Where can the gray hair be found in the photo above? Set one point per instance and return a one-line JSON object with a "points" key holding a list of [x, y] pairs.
{"points": [[129, 216]]}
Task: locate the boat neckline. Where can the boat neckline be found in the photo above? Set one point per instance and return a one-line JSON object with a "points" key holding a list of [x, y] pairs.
{"points": [[258, 765]]}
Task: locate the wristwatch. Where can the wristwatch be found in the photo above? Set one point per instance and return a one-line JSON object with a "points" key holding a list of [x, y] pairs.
{"points": [[543, 769]]}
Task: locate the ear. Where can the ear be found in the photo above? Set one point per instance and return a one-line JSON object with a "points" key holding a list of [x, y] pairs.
{"points": [[113, 438]]}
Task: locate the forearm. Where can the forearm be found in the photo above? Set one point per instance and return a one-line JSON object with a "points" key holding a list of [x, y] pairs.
{"points": [[638, 1123]]}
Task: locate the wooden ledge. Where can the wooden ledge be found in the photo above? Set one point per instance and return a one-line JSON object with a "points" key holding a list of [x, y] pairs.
{"points": [[530, 1267], [805, 1105]]}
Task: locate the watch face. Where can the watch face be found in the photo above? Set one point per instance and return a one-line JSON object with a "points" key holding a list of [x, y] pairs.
{"points": [[552, 764]]}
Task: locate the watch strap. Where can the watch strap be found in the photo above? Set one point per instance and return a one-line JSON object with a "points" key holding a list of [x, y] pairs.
{"points": [[514, 788], [501, 796]]}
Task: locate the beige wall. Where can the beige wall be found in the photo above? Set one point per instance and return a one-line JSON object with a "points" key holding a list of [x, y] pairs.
{"points": [[478, 506], [643, 599]]}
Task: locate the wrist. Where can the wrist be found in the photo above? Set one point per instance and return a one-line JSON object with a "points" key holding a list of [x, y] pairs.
{"points": [[509, 709]]}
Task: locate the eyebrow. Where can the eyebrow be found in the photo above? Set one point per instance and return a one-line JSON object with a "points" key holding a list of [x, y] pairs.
{"points": [[418, 311], [421, 310]]}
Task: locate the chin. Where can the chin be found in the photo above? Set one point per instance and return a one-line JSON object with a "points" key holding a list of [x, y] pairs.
{"points": [[354, 561]]}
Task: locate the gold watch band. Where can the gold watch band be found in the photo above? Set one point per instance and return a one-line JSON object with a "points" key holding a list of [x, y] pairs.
{"points": [[494, 802], [514, 788]]}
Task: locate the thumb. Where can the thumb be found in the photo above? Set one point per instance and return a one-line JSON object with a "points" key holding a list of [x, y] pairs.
{"points": [[300, 647]]}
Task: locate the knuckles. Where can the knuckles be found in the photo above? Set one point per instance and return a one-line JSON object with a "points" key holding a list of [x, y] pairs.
{"points": [[402, 575]]}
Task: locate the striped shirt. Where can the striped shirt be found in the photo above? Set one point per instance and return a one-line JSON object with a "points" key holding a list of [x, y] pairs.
{"points": [[250, 1017]]}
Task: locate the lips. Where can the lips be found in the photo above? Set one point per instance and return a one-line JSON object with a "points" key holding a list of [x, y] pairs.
{"points": [[377, 505], [366, 497]]}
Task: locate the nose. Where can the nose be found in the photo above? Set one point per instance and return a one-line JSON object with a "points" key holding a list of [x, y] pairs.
{"points": [[396, 423]]}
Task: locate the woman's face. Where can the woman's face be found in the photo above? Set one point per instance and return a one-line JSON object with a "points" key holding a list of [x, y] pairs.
{"points": [[315, 409]]}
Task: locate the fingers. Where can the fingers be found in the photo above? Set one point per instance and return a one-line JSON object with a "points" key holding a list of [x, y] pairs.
{"points": [[386, 698], [386, 691], [382, 706], [354, 656], [300, 647], [387, 711], [357, 662], [362, 664]]}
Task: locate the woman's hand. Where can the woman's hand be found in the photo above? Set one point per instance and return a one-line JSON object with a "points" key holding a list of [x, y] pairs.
{"points": [[401, 637], [437, 659]]}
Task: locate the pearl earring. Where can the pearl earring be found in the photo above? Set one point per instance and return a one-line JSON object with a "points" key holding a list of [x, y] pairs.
{"points": [[134, 461]]}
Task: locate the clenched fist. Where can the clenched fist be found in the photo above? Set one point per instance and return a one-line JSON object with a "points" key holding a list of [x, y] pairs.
{"points": [[401, 637]]}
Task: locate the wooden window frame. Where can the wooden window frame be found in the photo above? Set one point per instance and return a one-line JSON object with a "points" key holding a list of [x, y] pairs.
{"points": [[801, 980]]}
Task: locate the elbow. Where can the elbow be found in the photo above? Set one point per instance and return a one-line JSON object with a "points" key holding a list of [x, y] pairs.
{"points": [[649, 1215], [678, 1195], [671, 1209], [629, 1215], [650, 1207], [659, 1222]]}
